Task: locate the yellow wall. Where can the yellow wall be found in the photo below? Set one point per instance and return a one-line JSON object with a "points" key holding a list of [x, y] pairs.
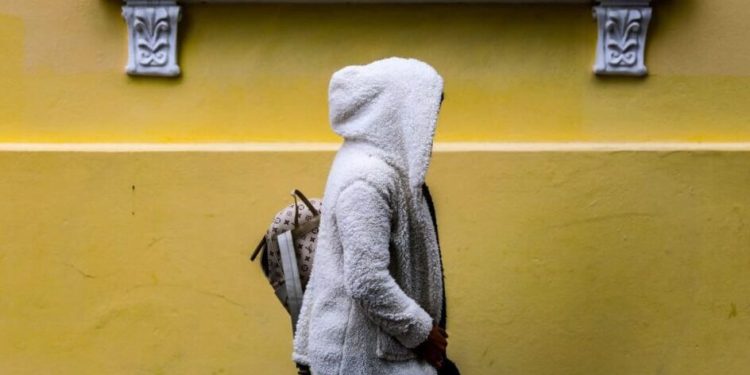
{"points": [[260, 72], [557, 263], [559, 260]]}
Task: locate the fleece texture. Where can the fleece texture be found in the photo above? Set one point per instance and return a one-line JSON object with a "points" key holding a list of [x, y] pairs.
{"points": [[376, 286]]}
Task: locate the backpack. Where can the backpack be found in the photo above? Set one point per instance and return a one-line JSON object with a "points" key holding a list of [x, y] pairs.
{"points": [[287, 250], [286, 253]]}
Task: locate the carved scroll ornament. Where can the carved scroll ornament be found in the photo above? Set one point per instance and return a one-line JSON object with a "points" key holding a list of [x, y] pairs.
{"points": [[622, 39], [152, 38]]}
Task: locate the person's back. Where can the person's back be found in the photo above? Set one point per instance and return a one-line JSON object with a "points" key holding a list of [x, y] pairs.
{"points": [[376, 287]]}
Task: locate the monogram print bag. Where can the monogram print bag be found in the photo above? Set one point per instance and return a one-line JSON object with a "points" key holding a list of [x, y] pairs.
{"points": [[287, 250]]}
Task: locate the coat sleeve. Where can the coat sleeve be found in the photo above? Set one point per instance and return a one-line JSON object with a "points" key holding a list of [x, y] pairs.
{"points": [[363, 217]]}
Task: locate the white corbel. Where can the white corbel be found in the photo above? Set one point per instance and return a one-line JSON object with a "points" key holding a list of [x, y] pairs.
{"points": [[621, 46], [152, 37]]}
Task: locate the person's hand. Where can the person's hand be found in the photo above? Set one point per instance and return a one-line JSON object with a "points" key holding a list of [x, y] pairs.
{"points": [[433, 349]]}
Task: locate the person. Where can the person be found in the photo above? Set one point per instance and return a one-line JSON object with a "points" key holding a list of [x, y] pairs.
{"points": [[375, 295]]}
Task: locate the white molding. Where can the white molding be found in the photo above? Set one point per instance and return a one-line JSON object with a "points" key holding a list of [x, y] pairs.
{"points": [[439, 147], [152, 37], [621, 45]]}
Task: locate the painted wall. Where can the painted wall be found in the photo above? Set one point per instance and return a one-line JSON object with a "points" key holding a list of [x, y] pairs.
{"points": [[557, 263], [560, 261], [260, 72]]}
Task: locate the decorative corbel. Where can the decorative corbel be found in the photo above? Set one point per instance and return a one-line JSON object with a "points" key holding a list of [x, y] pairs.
{"points": [[152, 37], [623, 26]]}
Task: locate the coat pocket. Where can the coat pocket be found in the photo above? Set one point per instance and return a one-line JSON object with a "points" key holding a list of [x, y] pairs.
{"points": [[390, 349]]}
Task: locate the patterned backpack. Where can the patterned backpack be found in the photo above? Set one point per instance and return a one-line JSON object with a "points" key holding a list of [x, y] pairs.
{"points": [[287, 250]]}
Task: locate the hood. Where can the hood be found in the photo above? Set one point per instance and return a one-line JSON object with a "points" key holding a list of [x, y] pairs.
{"points": [[391, 104]]}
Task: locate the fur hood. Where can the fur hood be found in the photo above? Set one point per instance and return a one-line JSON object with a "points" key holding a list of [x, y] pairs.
{"points": [[392, 104]]}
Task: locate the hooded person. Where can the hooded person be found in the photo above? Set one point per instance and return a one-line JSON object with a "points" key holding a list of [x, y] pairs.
{"points": [[376, 289]]}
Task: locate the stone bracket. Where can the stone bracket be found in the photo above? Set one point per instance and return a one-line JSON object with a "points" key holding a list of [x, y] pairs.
{"points": [[623, 27], [152, 37]]}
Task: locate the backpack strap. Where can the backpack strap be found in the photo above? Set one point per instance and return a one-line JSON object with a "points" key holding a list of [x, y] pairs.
{"points": [[307, 202], [258, 249], [296, 211], [291, 275]]}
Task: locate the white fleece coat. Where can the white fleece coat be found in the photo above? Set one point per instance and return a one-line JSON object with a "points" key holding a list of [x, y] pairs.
{"points": [[376, 284]]}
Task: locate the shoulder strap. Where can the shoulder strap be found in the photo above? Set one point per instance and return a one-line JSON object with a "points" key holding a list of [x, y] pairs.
{"points": [[291, 275], [307, 202], [258, 249]]}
